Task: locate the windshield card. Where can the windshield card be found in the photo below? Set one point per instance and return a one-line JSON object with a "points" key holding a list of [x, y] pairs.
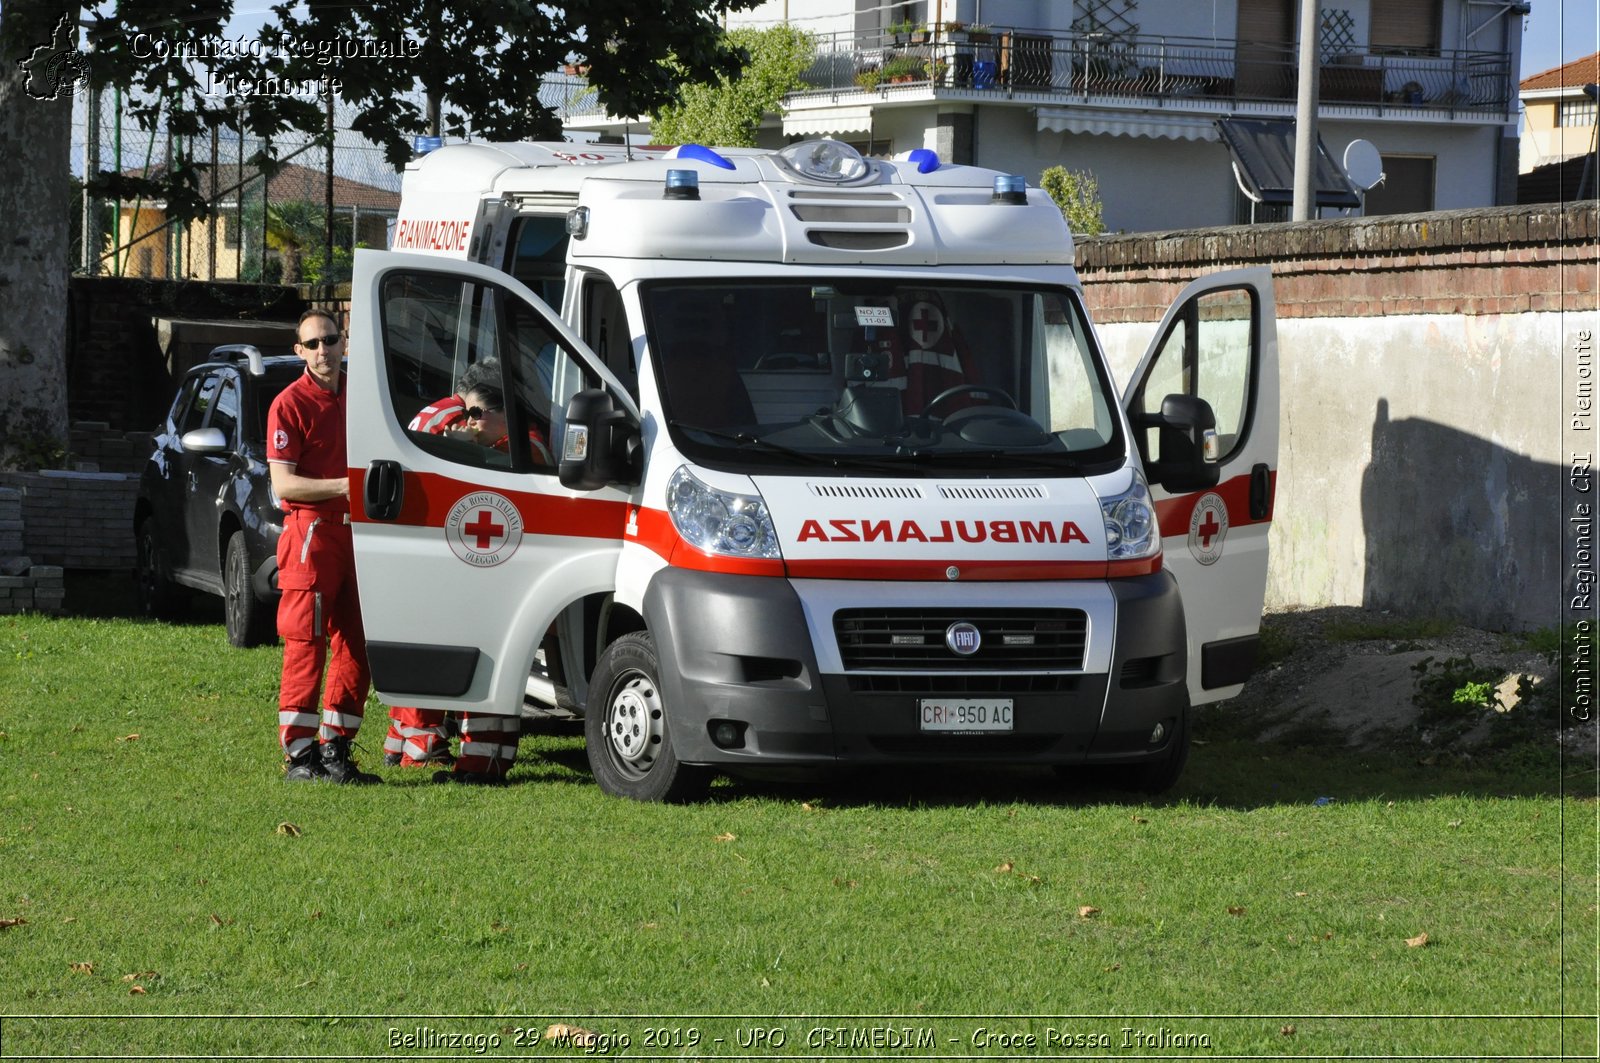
{"points": [[875, 315]]}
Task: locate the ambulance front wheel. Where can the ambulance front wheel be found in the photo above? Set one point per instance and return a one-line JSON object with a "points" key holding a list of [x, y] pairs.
{"points": [[626, 729]]}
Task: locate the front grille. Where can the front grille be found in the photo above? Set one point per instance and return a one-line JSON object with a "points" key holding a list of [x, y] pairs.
{"points": [[1011, 639], [961, 686]]}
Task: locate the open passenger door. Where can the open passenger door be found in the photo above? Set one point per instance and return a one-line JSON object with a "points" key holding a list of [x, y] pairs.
{"points": [[1204, 409], [467, 546]]}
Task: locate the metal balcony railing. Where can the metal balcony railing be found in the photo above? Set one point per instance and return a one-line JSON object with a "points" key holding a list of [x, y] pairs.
{"points": [[1147, 70]]}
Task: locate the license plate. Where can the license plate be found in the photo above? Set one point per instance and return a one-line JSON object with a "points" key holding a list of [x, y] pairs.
{"points": [[971, 714]]}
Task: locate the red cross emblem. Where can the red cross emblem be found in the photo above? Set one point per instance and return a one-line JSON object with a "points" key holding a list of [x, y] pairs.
{"points": [[1208, 528], [485, 529], [927, 325]]}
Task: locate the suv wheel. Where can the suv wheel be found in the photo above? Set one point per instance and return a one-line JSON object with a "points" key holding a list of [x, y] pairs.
{"points": [[159, 597], [250, 621]]}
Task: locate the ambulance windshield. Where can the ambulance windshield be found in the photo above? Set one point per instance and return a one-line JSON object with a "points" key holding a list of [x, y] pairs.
{"points": [[842, 374]]}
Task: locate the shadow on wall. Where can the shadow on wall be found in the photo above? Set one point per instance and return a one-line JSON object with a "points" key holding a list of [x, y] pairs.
{"points": [[1457, 525]]}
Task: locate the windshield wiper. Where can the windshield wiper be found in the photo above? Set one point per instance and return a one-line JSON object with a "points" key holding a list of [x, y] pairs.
{"points": [[809, 457]]}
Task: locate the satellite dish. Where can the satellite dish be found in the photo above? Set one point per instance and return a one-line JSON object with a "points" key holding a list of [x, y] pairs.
{"points": [[1362, 164]]}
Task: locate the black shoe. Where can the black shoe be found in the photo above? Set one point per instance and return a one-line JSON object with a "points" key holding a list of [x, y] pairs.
{"points": [[339, 768], [307, 767], [473, 778]]}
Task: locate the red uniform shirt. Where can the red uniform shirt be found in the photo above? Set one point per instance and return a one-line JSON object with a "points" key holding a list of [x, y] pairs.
{"points": [[305, 428], [435, 417]]}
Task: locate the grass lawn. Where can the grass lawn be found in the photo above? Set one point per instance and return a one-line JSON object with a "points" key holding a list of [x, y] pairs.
{"points": [[163, 892]]}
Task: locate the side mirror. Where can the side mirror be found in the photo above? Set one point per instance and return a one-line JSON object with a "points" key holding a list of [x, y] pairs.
{"points": [[600, 444], [205, 441], [1187, 445]]}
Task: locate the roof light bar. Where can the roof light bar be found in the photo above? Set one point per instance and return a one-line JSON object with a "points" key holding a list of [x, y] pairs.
{"points": [[1010, 188], [682, 184]]}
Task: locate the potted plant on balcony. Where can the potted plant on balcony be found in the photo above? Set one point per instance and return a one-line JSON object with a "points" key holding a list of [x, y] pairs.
{"points": [[900, 31], [978, 33], [904, 68], [868, 79], [955, 31]]}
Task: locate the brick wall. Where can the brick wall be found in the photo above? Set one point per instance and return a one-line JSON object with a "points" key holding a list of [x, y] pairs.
{"points": [[1504, 260]]}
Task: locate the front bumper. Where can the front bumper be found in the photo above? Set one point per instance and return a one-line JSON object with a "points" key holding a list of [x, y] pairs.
{"points": [[761, 654]]}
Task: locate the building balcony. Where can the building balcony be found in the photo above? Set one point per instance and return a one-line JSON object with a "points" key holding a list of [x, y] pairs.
{"points": [[1144, 72]]}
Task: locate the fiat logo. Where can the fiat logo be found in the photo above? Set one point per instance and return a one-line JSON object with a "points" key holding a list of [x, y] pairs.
{"points": [[963, 638]]}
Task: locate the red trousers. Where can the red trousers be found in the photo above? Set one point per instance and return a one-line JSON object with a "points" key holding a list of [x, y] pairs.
{"points": [[415, 735], [488, 742], [319, 620]]}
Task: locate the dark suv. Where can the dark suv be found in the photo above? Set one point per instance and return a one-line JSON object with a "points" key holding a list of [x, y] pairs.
{"points": [[206, 518]]}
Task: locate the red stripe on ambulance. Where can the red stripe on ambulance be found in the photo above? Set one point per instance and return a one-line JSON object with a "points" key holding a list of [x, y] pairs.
{"points": [[1173, 514]]}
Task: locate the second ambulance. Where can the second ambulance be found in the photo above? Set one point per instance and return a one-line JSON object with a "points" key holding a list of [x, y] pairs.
{"points": [[808, 459]]}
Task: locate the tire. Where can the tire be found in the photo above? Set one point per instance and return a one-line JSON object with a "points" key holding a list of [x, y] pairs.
{"points": [[158, 597], [627, 732], [250, 621]]}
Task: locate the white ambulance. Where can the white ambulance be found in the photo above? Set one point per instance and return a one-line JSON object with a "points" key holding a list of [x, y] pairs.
{"points": [[819, 462]]}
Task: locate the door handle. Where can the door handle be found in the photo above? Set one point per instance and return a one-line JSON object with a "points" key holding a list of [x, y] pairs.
{"points": [[383, 490], [1260, 492]]}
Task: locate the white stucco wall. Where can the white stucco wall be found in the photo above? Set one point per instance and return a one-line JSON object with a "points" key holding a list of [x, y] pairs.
{"points": [[1421, 461]]}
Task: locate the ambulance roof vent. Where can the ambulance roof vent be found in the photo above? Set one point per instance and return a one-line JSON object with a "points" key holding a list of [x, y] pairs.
{"points": [[856, 240], [990, 492], [866, 491]]}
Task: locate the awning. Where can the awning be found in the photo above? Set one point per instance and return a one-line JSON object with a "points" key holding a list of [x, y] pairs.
{"points": [[1263, 162], [828, 120], [1123, 122]]}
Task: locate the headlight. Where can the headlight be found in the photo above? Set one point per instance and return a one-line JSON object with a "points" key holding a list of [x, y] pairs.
{"points": [[720, 522], [1131, 530]]}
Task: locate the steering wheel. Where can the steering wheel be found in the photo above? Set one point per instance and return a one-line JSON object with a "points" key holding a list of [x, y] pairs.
{"points": [[985, 394]]}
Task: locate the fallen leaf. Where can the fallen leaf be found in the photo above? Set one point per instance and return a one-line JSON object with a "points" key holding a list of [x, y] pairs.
{"points": [[129, 738], [1005, 868], [575, 1035], [1417, 942], [317, 914], [1235, 909], [1328, 936], [1113, 967], [137, 990], [522, 967], [287, 828], [649, 926], [1087, 910], [69, 919], [1287, 1030], [1140, 819], [6, 924], [727, 836], [765, 984], [81, 968], [846, 882], [806, 806], [1301, 893], [1453, 824], [215, 918]]}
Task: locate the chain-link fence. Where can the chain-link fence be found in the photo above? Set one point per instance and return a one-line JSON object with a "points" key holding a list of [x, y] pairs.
{"points": [[275, 230]]}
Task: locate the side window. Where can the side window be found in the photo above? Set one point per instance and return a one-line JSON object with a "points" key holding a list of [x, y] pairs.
{"points": [[605, 329], [1207, 353], [203, 401], [539, 256], [500, 377], [225, 413], [183, 403]]}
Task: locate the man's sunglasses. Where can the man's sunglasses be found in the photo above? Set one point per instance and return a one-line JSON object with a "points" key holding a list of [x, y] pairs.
{"points": [[476, 413], [313, 343]]}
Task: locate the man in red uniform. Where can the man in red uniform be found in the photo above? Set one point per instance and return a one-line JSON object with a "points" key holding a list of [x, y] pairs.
{"points": [[319, 616]]}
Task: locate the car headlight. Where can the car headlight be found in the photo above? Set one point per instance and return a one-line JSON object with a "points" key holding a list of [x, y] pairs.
{"points": [[1131, 530], [720, 522]]}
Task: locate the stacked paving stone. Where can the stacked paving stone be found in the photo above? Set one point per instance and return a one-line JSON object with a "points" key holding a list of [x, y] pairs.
{"points": [[76, 519], [24, 586], [96, 447]]}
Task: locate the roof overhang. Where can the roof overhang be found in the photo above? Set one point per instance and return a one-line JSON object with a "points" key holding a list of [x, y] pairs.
{"points": [[1122, 122], [812, 122]]}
